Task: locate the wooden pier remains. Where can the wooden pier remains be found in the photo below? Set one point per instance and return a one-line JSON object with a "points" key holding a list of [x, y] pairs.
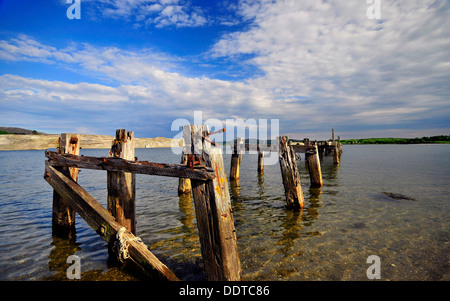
{"points": [[200, 172], [204, 168], [287, 149]]}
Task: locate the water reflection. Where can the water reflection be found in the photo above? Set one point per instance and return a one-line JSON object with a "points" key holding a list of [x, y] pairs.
{"points": [[235, 189], [312, 211], [65, 244], [187, 219], [296, 222], [262, 188], [292, 226], [330, 170]]}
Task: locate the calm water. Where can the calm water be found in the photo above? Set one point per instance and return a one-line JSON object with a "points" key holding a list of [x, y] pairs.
{"points": [[341, 225]]}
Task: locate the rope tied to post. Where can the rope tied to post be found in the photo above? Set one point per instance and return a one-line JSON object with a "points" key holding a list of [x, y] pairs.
{"points": [[121, 244]]}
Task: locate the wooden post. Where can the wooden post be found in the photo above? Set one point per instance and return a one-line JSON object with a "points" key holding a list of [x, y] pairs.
{"points": [[313, 163], [121, 185], [340, 145], [236, 158], [213, 209], [321, 149], [184, 184], [289, 173], [63, 216], [336, 153], [260, 161]]}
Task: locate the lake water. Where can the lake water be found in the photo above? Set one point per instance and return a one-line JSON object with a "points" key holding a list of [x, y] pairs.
{"points": [[343, 223]]}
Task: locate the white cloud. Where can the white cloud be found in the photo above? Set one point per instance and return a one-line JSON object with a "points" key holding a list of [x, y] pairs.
{"points": [[330, 53], [161, 13], [12, 86]]}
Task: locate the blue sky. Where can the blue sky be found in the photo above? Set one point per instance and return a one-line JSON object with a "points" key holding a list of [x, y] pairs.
{"points": [[141, 64]]}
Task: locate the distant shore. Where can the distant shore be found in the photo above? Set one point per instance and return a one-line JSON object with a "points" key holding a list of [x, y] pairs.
{"points": [[41, 142], [424, 140]]}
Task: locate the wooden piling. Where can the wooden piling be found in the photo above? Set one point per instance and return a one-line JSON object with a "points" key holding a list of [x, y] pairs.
{"points": [[260, 161], [122, 185], [63, 215], [336, 153], [313, 164], [184, 184], [236, 158], [290, 175], [213, 209]]}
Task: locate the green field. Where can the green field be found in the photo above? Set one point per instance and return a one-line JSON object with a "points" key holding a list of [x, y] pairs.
{"points": [[433, 139]]}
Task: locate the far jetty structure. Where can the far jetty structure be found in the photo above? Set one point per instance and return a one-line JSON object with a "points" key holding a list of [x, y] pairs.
{"points": [[201, 172]]}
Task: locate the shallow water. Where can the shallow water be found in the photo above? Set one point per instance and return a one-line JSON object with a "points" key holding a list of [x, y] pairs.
{"points": [[344, 222]]}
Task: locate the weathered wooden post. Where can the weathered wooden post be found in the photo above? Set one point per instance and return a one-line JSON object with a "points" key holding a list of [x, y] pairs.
{"points": [[213, 209], [122, 185], [336, 151], [260, 161], [184, 184], [320, 149], [336, 154], [313, 164], [63, 215], [236, 158], [289, 173], [340, 145]]}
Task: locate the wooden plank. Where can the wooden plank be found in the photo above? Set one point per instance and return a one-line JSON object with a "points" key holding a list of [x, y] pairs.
{"points": [[104, 223], [122, 185], [290, 175], [213, 211], [63, 216], [139, 167]]}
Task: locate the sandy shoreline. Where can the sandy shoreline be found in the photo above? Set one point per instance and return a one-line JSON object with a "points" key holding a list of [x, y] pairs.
{"points": [[40, 142]]}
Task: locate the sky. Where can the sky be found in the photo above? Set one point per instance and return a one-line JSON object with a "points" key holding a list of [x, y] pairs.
{"points": [[367, 68]]}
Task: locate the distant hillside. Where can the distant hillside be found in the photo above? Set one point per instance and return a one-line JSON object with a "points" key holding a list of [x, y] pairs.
{"points": [[23, 142], [18, 131]]}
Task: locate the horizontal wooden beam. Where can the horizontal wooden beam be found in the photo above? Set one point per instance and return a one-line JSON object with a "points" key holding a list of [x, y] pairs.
{"points": [[139, 167], [304, 149], [104, 223]]}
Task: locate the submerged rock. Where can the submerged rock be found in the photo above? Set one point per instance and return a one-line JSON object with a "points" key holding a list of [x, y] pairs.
{"points": [[398, 196], [358, 225]]}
